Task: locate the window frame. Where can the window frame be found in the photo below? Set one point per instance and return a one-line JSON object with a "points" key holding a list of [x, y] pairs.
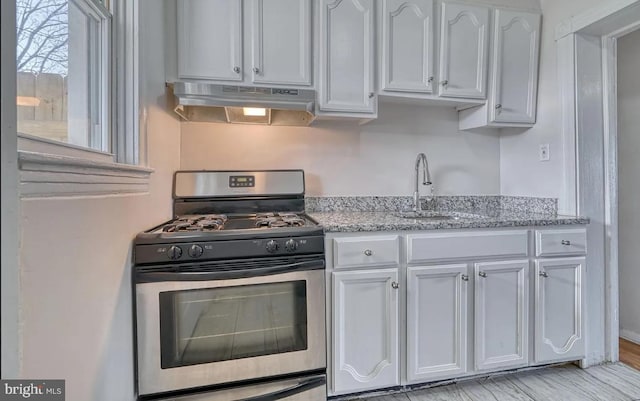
{"points": [[52, 168]]}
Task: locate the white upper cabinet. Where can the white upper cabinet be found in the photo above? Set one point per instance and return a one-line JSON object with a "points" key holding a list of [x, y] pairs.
{"points": [[515, 67], [281, 41], [276, 41], [514, 74], [559, 330], [210, 39], [407, 46], [346, 64], [463, 50]]}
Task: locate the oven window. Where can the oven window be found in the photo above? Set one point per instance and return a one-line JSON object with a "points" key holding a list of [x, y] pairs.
{"points": [[221, 324]]}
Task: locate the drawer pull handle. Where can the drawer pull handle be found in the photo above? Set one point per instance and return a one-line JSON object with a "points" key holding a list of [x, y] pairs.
{"points": [[394, 285], [565, 242], [368, 252], [544, 274], [482, 274], [465, 277]]}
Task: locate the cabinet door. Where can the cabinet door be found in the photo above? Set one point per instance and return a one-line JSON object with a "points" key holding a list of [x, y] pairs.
{"points": [[515, 67], [365, 330], [281, 42], [407, 46], [501, 314], [346, 56], [463, 50], [210, 39], [559, 331], [436, 321]]}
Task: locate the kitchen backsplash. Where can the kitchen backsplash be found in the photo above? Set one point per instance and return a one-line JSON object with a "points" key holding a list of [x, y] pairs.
{"points": [[546, 206]]}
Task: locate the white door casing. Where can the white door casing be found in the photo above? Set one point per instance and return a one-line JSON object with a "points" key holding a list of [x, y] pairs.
{"points": [[210, 39], [365, 330], [407, 48], [463, 50], [436, 321], [501, 314], [281, 42], [559, 317], [515, 67]]}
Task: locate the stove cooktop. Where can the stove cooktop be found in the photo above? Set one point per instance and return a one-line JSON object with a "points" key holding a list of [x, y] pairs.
{"points": [[208, 223], [219, 236]]}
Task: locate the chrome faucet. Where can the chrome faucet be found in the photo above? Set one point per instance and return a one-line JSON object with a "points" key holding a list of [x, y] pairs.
{"points": [[426, 180]]}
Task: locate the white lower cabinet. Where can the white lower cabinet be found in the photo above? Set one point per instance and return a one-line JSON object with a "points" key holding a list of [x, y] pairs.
{"points": [[559, 331], [436, 321], [468, 303], [501, 314], [365, 330]]}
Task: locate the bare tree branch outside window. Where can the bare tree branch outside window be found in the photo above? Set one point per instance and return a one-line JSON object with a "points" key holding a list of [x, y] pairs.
{"points": [[42, 36]]}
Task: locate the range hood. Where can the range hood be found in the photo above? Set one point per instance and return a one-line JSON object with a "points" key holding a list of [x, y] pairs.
{"points": [[204, 102]]}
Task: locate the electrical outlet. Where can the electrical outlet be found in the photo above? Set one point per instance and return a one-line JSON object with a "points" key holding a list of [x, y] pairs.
{"points": [[544, 152]]}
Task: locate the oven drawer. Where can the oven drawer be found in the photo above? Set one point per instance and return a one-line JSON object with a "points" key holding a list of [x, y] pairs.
{"points": [[366, 251], [567, 242], [307, 388]]}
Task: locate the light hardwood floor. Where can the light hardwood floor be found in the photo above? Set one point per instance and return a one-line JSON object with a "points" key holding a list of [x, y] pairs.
{"points": [[613, 382], [630, 353]]}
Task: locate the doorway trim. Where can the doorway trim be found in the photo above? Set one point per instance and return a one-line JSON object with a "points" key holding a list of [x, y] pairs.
{"points": [[592, 141]]}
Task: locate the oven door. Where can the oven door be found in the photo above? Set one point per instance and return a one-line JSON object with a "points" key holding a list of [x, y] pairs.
{"points": [[196, 330]]}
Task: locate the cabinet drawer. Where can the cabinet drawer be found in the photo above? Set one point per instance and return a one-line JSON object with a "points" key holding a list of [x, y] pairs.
{"points": [[561, 242], [366, 251], [427, 247]]}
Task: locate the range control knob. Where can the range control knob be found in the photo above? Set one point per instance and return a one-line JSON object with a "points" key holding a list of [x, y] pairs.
{"points": [[272, 246], [174, 252], [291, 245], [195, 251]]}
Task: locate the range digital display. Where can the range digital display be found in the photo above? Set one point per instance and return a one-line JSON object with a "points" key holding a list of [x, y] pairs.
{"points": [[236, 181]]}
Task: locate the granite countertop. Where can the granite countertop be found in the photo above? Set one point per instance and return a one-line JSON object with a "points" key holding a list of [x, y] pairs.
{"points": [[354, 221]]}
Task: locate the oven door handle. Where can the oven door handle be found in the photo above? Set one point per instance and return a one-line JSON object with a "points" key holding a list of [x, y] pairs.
{"points": [[154, 277], [302, 386]]}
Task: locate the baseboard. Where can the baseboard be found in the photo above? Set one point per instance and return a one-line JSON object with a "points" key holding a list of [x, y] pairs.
{"points": [[630, 336]]}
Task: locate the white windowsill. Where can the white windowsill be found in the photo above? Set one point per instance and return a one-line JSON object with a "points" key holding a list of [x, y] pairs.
{"points": [[48, 175]]}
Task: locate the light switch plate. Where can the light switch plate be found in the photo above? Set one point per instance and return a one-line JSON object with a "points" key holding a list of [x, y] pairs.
{"points": [[544, 152]]}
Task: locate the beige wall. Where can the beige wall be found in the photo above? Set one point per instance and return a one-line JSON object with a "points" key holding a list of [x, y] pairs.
{"points": [[521, 171], [629, 188], [343, 159], [76, 253]]}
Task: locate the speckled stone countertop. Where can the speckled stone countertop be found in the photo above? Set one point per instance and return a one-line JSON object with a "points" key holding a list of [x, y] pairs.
{"points": [[387, 221], [354, 214]]}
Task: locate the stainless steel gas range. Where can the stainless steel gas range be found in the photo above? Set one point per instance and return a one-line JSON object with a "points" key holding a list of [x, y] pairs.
{"points": [[229, 295]]}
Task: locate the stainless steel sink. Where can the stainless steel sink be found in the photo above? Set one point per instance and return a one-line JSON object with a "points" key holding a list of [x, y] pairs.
{"points": [[435, 216]]}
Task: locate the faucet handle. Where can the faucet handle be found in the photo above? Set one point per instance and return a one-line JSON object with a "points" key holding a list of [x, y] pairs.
{"points": [[430, 195]]}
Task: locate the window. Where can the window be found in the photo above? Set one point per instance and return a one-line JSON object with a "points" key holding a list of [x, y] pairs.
{"points": [[63, 67], [77, 98]]}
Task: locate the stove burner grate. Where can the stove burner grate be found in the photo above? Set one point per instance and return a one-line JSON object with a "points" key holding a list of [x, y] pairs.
{"points": [[272, 220], [209, 222]]}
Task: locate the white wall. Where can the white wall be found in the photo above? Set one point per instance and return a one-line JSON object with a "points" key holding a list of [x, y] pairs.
{"points": [[342, 159], [521, 171], [629, 190], [76, 253]]}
